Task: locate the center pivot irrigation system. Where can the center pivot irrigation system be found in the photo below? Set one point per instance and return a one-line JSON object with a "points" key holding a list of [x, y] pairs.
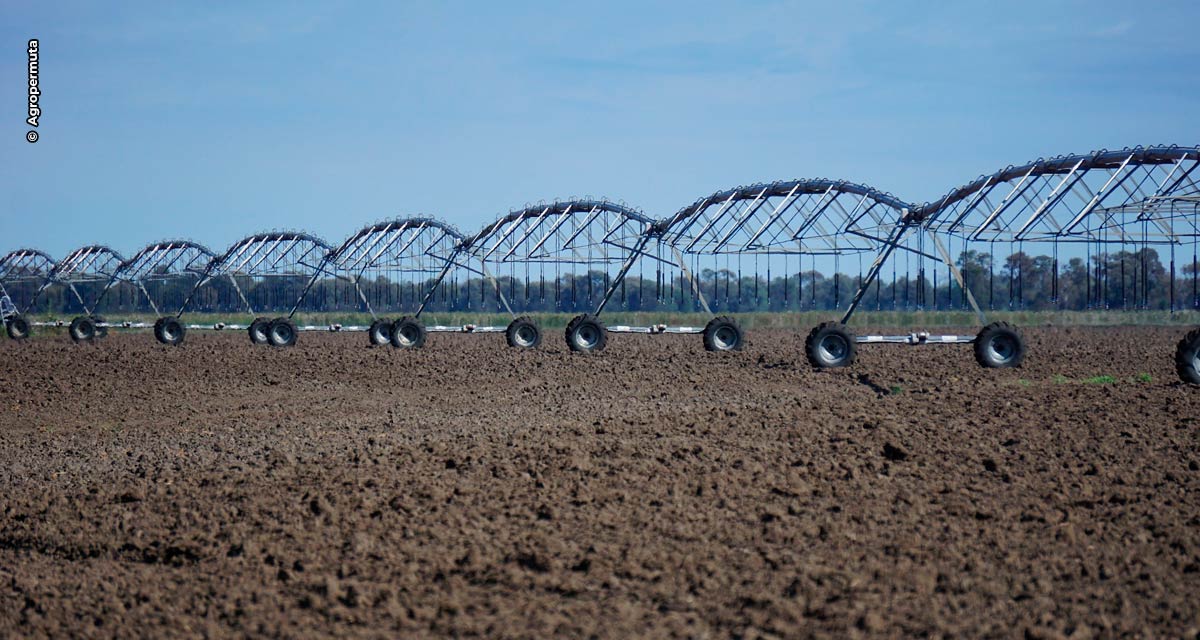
{"points": [[1108, 214]]}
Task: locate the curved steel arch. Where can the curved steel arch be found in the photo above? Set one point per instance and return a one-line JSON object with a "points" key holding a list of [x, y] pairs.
{"points": [[391, 240], [776, 221], [268, 271], [89, 262], [265, 254], [92, 268], [167, 257], [590, 233], [159, 265], [1084, 197], [804, 216], [21, 261], [377, 258], [535, 231], [23, 272]]}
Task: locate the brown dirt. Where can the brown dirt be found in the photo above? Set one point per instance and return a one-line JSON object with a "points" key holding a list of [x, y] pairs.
{"points": [[653, 490]]}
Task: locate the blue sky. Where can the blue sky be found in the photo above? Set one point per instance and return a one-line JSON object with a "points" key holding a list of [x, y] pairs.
{"points": [[209, 122]]}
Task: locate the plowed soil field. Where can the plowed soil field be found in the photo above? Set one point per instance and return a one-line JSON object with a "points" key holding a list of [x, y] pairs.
{"points": [[651, 490]]}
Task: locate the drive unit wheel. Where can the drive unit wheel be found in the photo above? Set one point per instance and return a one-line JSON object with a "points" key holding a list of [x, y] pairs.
{"points": [[999, 346], [169, 331], [723, 333], [522, 333], [1187, 357], [380, 332], [408, 333], [586, 333], [82, 329], [17, 328], [281, 333], [258, 331], [830, 345]]}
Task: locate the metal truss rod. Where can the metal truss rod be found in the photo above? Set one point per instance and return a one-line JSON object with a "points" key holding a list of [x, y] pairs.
{"points": [[625, 267], [889, 246]]}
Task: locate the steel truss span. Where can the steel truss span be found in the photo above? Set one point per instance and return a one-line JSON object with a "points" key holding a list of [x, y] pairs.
{"points": [[797, 216], [395, 266], [163, 273], [567, 255], [745, 249], [1147, 194], [22, 274], [391, 266], [270, 270], [86, 273], [582, 244]]}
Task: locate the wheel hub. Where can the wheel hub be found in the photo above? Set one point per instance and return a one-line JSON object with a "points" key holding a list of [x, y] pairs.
{"points": [[587, 336], [408, 336], [1002, 348], [725, 338], [525, 335], [833, 348]]}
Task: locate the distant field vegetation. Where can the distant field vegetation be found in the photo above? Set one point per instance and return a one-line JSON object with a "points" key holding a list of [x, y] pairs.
{"points": [[753, 320]]}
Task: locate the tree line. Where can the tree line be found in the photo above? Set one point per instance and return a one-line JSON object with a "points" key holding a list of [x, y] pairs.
{"points": [[1119, 280]]}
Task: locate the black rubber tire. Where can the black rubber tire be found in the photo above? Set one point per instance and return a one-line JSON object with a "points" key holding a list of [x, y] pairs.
{"points": [[830, 345], [408, 333], [101, 332], [380, 333], [999, 346], [1187, 357], [82, 329], [170, 331], [282, 333], [17, 328], [723, 333], [586, 333], [523, 333], [258, 331]]}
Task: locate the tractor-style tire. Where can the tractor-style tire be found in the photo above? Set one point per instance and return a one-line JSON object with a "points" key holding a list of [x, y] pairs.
{"points": [[380, 333], [170, 331], [408, 333], [282, 333], [999, 346], [1187, 357], [522, 333], [17, 328], [586, 333], [830, 345], [723, 333], [82, 329], [258, 331]]}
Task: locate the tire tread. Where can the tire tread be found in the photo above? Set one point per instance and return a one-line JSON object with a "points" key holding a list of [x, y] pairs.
{"points": [[1189, 344]]}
